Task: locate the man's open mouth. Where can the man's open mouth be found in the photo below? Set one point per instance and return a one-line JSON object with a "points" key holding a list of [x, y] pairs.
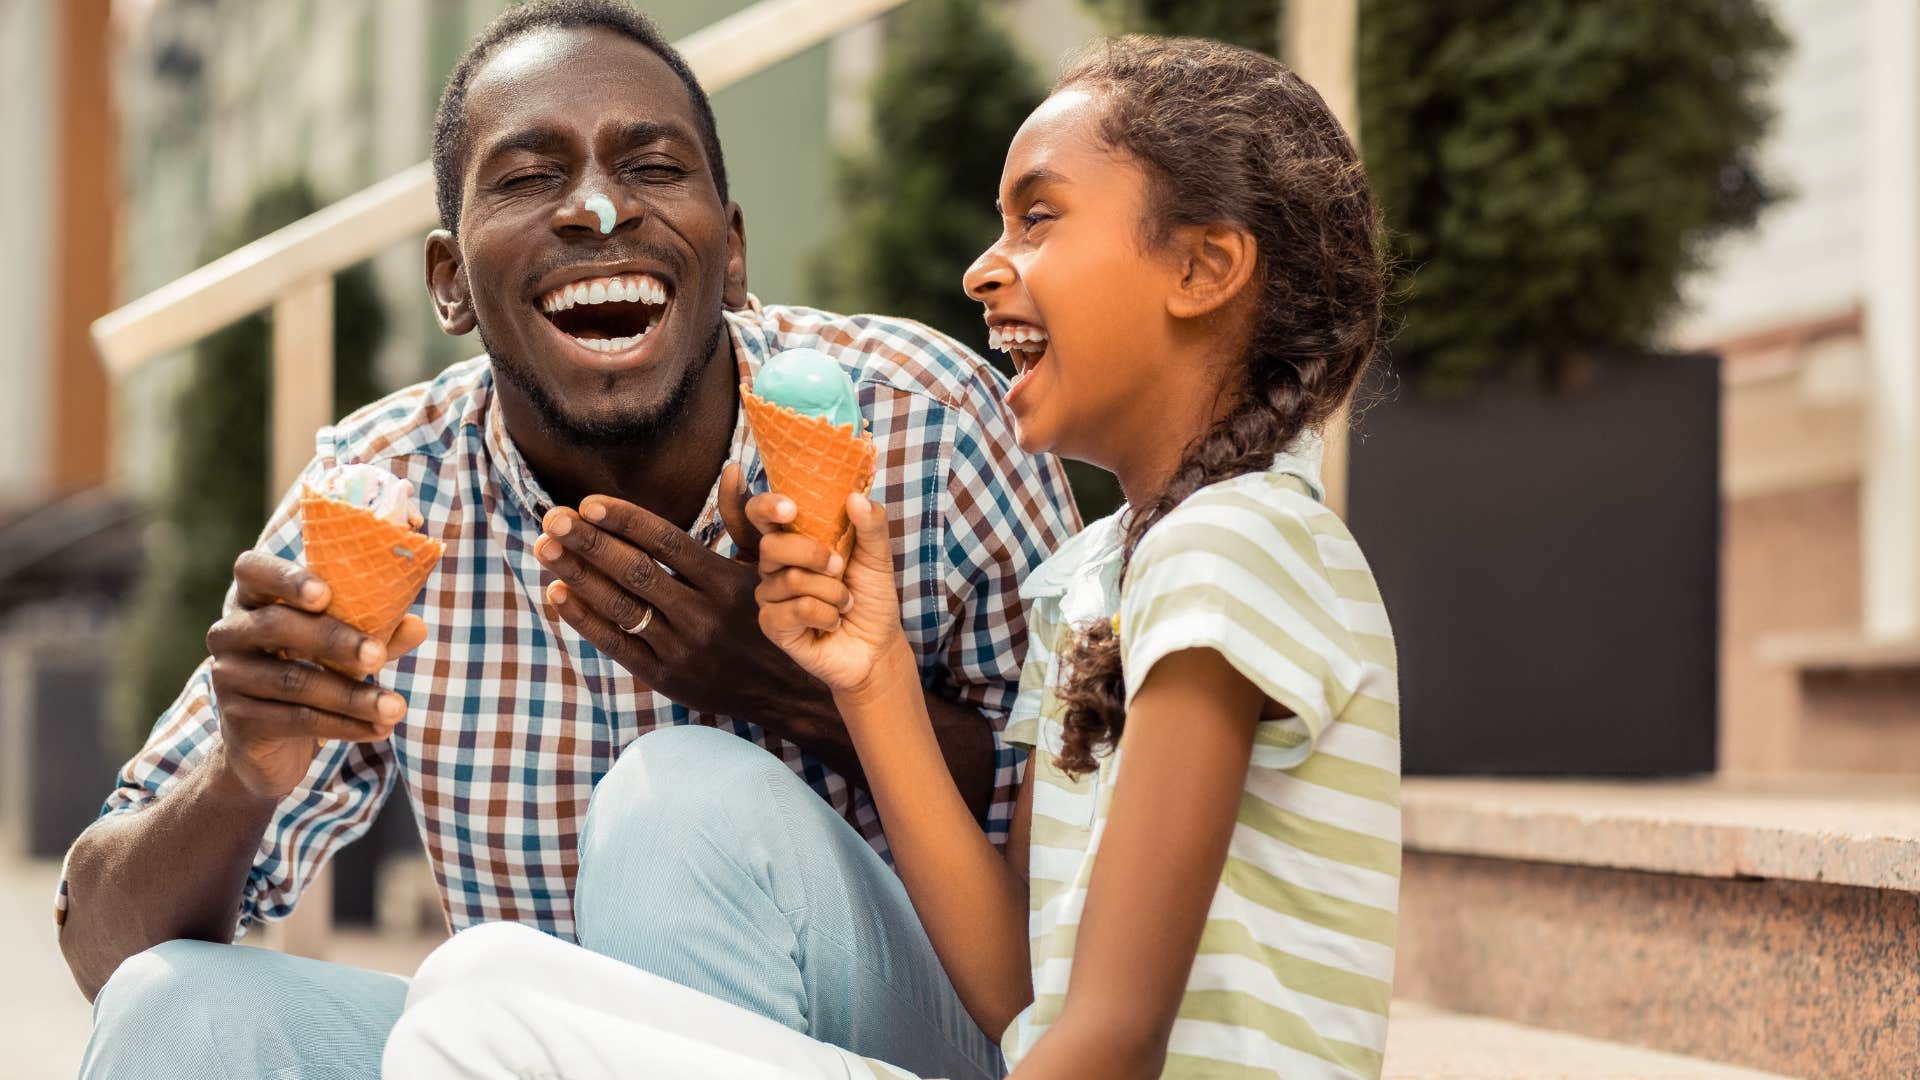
{"points": [[607, 314]]}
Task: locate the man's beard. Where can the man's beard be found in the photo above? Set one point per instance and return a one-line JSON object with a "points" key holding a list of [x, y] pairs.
{"points": [[628, 431]]}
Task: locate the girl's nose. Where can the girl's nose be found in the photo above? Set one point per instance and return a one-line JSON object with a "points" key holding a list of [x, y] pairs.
{"points": [[989, 272]]}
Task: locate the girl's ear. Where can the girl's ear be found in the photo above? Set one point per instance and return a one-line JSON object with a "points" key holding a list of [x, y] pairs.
{"points": [[1215, 264]]}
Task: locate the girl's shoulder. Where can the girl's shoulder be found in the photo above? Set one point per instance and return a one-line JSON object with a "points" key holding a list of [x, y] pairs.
{"points": [[1261, 509]]}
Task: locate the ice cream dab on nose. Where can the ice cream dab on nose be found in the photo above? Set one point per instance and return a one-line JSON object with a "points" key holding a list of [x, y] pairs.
{"points": [[599, 204]]}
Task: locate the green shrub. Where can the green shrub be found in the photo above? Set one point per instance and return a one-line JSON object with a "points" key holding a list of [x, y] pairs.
{"points": [[1252, 24], [917, 204], [215, 496], [1551, 171]]}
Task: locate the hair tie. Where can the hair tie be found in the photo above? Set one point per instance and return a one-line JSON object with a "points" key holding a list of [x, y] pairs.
{"points": [[1115, 623]]}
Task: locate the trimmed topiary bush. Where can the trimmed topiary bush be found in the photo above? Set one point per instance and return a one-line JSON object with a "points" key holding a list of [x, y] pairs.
{"points": [[1251, 24], [1551, 171], [215, 498], [918, 202]]}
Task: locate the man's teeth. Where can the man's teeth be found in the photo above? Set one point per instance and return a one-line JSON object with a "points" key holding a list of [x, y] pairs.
{"points": [[610, 345], [628, 288], [1017, 337]]}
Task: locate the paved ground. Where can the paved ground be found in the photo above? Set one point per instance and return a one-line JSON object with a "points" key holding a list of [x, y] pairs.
{"points": [[44, 1020]]}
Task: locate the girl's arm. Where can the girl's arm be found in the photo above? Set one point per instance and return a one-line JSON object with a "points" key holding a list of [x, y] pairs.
{"points": [[1189, 739], [842, 623]]}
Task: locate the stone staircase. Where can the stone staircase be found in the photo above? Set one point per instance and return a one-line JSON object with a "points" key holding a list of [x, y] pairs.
{"points": [[1760, 923]]}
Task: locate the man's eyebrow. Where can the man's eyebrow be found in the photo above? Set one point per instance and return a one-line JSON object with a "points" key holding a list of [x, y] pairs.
{"points": [[530, 140], [642, 132], [1029, 180]]}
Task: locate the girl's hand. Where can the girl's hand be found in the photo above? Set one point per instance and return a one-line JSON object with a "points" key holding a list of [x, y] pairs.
{"points": [[836, 618]]}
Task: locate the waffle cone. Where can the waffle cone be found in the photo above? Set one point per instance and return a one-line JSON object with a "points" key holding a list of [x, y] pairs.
{"points": [[374, 567], [814, 463]]}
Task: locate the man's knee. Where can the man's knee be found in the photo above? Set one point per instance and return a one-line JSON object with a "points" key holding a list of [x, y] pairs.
{"points": [[475, 955], [172, 979], [689, 772]]}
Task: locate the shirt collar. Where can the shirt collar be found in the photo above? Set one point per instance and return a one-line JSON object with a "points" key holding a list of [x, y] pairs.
{"points": [[1095, 550], [751, 346]]}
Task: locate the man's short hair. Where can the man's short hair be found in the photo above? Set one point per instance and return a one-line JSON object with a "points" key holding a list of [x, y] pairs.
{"points": [[450, 121]]}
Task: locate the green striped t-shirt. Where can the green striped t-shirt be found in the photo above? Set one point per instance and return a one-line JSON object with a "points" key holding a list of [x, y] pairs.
{"points": [[1296, 963]]}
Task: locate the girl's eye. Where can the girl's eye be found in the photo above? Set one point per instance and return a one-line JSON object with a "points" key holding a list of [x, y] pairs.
{"points": [[1032, 220]]}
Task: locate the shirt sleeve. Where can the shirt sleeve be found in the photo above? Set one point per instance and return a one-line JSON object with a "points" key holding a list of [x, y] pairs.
{"points": [[1003, 512], [1244, 579], [333, 805]]}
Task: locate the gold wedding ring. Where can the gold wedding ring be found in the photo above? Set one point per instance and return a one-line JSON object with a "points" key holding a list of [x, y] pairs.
{"points": [[642, 624]]}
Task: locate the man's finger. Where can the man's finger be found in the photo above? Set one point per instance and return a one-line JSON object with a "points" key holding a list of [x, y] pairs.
{"points": [[298, 635], [733, 512], [407, 636], [655, 535], [281, 720], [617, 602], [599, 565], [261, 579], [631, 650], [265, 679]]}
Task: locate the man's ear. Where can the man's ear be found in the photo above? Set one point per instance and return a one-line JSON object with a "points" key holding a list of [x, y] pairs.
{"points": [[1215, 264], [734, 297], [447, 284]]}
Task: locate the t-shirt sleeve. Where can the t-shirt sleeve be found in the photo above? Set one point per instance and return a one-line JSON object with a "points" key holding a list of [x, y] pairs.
{"points": [[1023, 720], [334, 804], [1243, 577]]}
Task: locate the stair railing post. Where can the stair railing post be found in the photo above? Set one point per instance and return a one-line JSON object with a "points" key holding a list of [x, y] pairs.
{"points": [[302, 404]]}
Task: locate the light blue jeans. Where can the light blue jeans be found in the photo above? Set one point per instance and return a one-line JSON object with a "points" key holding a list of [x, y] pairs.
{"points": [[704, 860]]}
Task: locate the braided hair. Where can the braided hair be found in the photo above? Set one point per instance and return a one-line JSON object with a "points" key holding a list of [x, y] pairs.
{"points": [[1228, 135]]}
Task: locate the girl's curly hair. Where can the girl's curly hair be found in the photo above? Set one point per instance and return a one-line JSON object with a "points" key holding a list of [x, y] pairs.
{"points": [[1229, 135]]}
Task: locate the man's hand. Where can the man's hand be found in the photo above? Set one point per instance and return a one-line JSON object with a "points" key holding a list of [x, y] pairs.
{"points": [[700, 644], [276, 703]]}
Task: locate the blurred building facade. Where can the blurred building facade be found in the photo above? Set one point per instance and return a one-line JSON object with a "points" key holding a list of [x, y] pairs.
{"points": [[57, 212], [1814, 313]]}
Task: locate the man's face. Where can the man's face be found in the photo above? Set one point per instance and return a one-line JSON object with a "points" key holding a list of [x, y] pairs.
{"points": [[602, 332]]}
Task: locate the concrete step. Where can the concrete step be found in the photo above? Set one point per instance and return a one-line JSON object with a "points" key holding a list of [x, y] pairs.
{"points": [[1858, 700], [1425, 1043], [1771, 924]]}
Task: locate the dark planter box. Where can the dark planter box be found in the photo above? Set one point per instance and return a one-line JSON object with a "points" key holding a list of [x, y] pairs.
{"points": [[1550, 560]]}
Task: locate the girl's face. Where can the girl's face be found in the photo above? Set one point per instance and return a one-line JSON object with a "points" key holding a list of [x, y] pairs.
{"points": [[1072, 291]]}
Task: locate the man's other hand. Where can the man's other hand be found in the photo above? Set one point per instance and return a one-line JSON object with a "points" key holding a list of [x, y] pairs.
{"points": [[276, 702], [678, 616]]}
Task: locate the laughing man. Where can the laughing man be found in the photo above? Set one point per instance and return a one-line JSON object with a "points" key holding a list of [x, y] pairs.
{"points": [[594, 736]]}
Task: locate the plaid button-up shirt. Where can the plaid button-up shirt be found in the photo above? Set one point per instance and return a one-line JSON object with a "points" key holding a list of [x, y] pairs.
{"points": [[513, 717]]}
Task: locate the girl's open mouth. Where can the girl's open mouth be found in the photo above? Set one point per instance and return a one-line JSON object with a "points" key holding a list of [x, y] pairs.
{"points": [[608, 316], [1024, 343]]}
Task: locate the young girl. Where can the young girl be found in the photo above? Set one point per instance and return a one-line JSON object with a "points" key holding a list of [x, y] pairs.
{"points": [[1205, 859], [1204, 864]]}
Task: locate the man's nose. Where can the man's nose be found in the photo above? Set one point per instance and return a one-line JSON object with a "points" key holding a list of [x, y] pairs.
{"points": [[584, 208], [989, 272]]}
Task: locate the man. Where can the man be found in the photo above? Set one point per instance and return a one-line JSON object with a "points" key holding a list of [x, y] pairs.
{"points": [[596, 587]]}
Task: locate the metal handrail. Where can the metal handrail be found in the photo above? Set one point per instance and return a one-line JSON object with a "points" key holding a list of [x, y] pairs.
{"points": [[366, 223]]}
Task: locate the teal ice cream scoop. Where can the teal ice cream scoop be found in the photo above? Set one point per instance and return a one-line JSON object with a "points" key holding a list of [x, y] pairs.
{"points": [[810, 383]]}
